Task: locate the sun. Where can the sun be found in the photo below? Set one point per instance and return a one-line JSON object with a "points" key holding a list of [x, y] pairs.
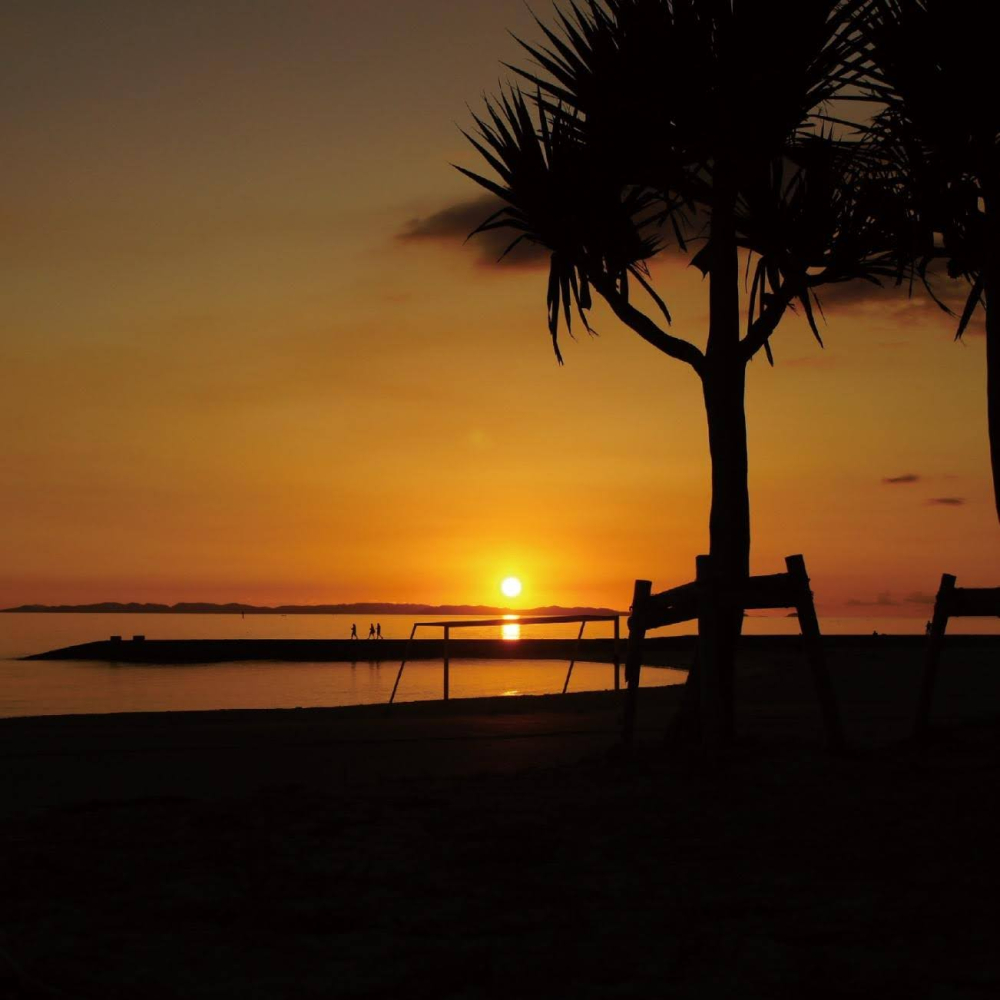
{"points": [[511, 586]]}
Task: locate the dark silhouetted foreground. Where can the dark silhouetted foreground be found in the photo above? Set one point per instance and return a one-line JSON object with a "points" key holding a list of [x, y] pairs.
{"points": [[493, 848]]}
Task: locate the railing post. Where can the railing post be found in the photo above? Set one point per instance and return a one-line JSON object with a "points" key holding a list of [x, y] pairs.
{"points": [[939, 623], [447, 630], [576, 650], [617, 655], [406, 656], [809, 625], [633, 655]]}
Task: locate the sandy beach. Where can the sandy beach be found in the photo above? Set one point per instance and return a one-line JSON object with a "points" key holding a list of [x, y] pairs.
{"points": [[496, 848]]}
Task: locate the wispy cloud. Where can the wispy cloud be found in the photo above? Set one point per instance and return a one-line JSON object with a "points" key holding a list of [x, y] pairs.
{"points": [[947, 501], [908, 477], [883, 600], [452, 225]]}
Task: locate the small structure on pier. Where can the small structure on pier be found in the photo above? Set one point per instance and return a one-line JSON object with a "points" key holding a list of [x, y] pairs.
{"points": [[486, 622]]}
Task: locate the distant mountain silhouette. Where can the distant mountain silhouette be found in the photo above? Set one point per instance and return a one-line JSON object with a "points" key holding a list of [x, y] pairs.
{"points": [[199, 608]]}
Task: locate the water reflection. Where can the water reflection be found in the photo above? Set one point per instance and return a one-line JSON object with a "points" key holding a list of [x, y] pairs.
{"points": [[511, 632]]}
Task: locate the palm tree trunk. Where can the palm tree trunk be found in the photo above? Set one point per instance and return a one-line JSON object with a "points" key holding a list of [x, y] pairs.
{"points": [[993, 382], [729, 535], [991, 288], [729, 521], [723, 385]]}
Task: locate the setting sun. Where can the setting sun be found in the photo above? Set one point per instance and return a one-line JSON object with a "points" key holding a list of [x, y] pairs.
{"points": [[511, 586]]}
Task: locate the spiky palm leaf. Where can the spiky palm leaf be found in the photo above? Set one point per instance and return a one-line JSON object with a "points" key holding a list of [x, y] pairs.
{"points": [[809, 221], [557, 197], [928, 67], [668, 87], [641, 107]]}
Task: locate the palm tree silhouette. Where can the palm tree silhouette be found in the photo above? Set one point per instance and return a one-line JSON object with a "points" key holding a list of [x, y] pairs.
{"points": [[936, 141], [692, 124]]}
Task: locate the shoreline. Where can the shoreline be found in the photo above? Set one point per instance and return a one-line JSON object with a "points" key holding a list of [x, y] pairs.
{"points": [[478, 847]]}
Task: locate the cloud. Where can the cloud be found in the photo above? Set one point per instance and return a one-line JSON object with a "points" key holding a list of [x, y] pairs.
{"points": [[909, 477], [452, 225], [811, 361], [903, 300], [947, 501], [884, 600]]}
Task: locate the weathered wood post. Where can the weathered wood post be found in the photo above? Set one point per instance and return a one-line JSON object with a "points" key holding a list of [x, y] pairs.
{"points": [[633, 655], [809, 625], [406, 656], [939, 623], [576, 650], [617, 655], [447, 630], [706, 588]]}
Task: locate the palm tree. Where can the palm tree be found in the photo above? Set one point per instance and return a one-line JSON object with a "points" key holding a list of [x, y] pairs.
{"points": [[937, 138], [689, 122]]}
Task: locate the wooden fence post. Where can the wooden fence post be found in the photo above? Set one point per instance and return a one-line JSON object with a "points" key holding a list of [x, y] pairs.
{"points": [[708, 660], [633, 655], [939, 623], [809, 625]]}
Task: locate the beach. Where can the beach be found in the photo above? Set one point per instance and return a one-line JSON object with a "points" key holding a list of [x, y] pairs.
{"points": [[496, 847]]}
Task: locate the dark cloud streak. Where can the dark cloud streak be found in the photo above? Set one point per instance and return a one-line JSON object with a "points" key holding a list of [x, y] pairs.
{"points": [[452, 226], [883, 600]]}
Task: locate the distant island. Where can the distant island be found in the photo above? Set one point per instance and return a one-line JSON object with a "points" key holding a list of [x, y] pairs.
{"points": [[364, 608]]}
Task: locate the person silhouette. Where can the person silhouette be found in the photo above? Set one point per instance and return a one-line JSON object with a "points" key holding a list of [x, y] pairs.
{"points": [[371, 631], [378, 630], [354, 630]]}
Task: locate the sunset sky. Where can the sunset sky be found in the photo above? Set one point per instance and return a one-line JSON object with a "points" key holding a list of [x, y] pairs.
{"points": [[244, 354]]}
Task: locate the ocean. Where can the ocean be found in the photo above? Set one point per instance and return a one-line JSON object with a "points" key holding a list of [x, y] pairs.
{"points": [[52, 687]]}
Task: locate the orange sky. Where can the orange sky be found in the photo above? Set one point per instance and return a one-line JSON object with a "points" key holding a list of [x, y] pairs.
{"points": [[225, 375]]}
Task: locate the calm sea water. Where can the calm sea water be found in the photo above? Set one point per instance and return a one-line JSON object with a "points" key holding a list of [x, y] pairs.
{"points": [[73, 687]]}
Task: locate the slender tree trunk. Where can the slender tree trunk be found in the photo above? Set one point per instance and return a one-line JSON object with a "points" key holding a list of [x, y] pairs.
{"points": [[729, 533], [729, 522], [723, 384], [991, 288]]}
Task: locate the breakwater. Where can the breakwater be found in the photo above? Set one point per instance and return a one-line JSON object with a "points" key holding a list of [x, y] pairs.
{"points": [[667, 650]]}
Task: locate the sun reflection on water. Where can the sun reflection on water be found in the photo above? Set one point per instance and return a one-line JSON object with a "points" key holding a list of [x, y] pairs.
{"points": [[512, 631]]}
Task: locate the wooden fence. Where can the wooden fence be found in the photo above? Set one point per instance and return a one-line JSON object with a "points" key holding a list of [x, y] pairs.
{"points": [[951, 602], [709, 599]]}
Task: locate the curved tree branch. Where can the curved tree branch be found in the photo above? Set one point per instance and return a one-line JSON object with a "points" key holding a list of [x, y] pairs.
{"points": [[765, 324], [638, 321]]}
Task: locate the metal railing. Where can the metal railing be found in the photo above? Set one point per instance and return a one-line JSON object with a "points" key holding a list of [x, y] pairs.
{"points": [[484, 622]]}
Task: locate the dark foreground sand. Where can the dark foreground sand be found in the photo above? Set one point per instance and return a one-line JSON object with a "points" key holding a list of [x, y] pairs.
{"points": [[495, 848]]}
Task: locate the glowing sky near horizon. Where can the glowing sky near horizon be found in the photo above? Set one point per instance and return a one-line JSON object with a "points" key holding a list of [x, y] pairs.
{"points": [[226, 377]]}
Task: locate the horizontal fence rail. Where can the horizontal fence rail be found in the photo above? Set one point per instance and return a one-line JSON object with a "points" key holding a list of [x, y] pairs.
{"points": [[707, 599]]}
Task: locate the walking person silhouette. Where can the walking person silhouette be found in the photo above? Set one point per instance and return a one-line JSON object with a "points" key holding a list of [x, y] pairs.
{"points": [[371, 631], [378, 630], [354, 630]]}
